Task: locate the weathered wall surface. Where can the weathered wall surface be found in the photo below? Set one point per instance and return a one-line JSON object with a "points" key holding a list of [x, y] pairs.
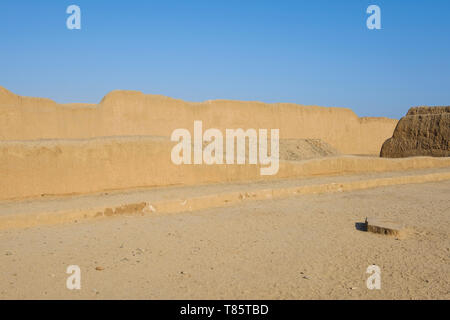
{"points": [[130, 113], [62, 167], [424, 131]]}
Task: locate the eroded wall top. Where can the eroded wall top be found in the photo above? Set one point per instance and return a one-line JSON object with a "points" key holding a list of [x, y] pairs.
{"points": [[132, 113]]}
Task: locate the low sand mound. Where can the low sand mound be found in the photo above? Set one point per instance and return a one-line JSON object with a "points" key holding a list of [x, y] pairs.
{"points": [[424, 131], [304, 149]]}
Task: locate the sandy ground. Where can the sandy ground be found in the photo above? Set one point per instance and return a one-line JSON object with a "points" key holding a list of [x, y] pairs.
{"points": [[305, 247]]}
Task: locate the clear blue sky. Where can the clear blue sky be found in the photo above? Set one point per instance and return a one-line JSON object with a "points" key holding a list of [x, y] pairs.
{"points": [[309, 52]]}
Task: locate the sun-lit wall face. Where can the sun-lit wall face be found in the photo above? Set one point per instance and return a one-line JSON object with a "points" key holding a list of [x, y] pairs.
{"points": [[131, 113]]}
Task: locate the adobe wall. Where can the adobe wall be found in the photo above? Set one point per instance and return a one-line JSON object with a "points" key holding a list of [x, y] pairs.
{"points": [[65, 167], [131, 113]]}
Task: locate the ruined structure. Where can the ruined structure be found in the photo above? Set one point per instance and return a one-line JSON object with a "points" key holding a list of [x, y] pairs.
{"points": [[424, 131]]}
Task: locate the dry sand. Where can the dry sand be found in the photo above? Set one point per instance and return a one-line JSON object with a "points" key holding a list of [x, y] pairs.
{"points": [[304, 247]]}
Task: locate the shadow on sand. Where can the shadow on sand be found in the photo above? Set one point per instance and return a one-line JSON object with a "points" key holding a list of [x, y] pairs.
{"points": [[361, 226]]}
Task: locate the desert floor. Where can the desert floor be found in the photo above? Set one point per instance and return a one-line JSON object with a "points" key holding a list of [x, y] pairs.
{"points": [[305, 247]]}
